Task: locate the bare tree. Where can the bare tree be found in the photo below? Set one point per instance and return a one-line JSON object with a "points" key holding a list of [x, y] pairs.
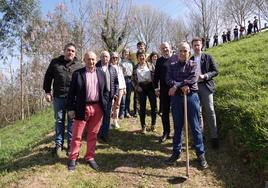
{"points": [[147, 23], [262, 6], [110, 24], [81, 33], [202, 16], [239, 10]]}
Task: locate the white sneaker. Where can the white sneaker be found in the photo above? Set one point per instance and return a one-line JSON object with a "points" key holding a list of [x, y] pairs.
{"points": [[116, 125]]}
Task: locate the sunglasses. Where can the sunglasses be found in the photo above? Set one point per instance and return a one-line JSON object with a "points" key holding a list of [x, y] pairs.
{"points": [[115, 57]]}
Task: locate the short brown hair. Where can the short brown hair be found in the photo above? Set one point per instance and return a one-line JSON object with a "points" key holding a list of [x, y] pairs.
{"points": [[69, 44], [141, 43], [196, 39], [139, 52]]}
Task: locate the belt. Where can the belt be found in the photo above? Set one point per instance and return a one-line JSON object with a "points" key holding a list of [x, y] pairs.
{"points": [[145, 83], [92, 102], [190, 93]]}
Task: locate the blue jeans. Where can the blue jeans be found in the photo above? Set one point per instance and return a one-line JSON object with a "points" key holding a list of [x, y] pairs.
{"points": [[59, 115], [125, 102], [104, 130], [193, 106]]}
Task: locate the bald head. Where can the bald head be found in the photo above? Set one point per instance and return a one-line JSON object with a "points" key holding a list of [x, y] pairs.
{"points": [[165, 49], [105, 57], [90, 59]]}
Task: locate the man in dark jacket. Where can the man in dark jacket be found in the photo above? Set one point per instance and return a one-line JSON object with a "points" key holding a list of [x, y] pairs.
{"points": [[112, 86], [161, 89], [207, 70], [86, 103], [250, 27], [60, 72]]}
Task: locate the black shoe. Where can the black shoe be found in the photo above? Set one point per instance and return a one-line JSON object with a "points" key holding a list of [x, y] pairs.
{"points": [[71, 165], [172, 159], [93, 165], [163, 138], [215, 143], [68, 152], [104, 139], [57, 150], [202, 161], [153, 128]]}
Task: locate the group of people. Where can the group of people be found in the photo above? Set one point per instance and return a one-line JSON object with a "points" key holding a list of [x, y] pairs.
{"points": [[97, 92], [237, 32]]}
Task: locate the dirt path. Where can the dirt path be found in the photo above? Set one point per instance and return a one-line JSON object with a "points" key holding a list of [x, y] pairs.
{"points": [[129, 160]]}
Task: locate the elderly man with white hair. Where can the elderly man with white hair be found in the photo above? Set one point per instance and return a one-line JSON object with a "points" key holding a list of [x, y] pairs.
{"points": [[161, 89], [182, 78], [112, 86]]}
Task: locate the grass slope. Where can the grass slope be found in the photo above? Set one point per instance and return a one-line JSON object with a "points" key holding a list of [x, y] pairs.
{"points": [[134, 160], [18, 139], [241, 97], [129, 160]]}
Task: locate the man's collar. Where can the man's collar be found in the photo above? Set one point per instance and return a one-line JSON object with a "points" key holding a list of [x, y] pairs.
{"points": [[91, 69]]}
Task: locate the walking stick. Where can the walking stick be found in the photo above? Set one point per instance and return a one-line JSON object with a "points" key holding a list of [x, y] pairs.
{"points": [[186, 134]]}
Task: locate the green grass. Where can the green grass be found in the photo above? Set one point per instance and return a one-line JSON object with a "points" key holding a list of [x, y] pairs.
{"points": [[134, 160], [21, 137], [241, 97], [129, 160]]}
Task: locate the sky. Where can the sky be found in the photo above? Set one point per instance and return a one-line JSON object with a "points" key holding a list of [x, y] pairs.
{"points": [[173, 8]]}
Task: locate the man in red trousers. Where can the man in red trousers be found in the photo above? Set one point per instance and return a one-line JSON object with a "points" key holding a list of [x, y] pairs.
{"points": [[87, 100]]}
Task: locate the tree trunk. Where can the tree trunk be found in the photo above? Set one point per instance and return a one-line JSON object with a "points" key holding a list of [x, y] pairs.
{"points": [[21, 79]]}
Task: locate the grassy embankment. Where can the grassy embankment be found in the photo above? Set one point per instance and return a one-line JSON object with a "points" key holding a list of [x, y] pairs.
{"points": [[242, 98], [135, 160]]}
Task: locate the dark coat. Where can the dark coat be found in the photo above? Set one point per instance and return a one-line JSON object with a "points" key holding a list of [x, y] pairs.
{"points": [[208, 67], [60, 72], [160, 73], [113, 80], [76, 100]]}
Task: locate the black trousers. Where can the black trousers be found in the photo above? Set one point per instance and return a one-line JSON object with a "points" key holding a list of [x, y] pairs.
{"points": [[165, 106], [147, 91]]}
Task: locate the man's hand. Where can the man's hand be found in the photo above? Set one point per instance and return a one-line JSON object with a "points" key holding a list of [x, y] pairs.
{"points": [[202, 77], [157, 92], [124, 91], [71, 114], [172, 91], [48, 97], [185, 89], [139, 89]]}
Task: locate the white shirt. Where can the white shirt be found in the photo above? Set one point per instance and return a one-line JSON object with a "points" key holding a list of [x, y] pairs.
{"points": [[197, 59], [144, 73], [104, 67], [120, 75]]}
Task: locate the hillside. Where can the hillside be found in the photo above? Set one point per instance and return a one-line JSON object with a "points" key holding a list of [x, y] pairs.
{"points": [[134, 160], [242, 98]]}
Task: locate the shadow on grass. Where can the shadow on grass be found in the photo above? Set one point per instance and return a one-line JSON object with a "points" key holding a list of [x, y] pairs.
{"points": [[31, 157], [134, 140]]}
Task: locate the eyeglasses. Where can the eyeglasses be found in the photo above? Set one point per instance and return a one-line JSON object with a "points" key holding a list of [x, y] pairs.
{"points": [[115, 57]]}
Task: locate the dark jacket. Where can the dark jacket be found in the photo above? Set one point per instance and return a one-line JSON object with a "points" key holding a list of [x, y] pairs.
{"points": [[208, 67], [160, 73], [60, 72], [76, 100], [113, 80]]}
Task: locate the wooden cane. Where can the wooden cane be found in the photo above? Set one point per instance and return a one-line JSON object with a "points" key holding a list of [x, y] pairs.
{"points": [[186, 134]]}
